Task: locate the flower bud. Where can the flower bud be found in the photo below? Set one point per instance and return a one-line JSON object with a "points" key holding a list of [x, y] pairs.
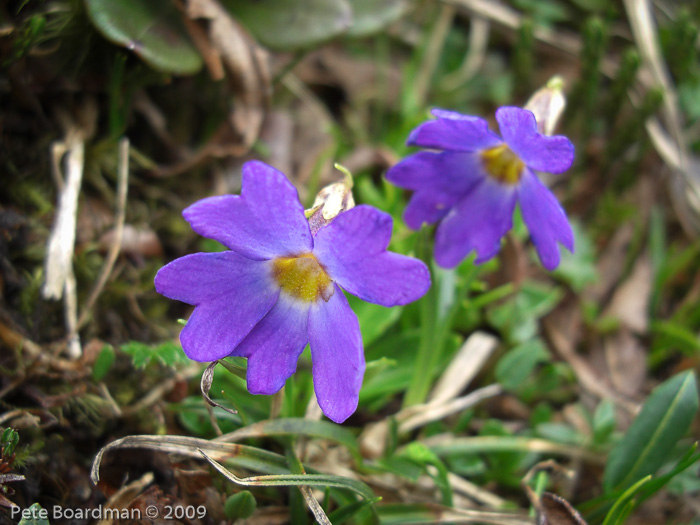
{"points": [[547, 104], [331, 201]]}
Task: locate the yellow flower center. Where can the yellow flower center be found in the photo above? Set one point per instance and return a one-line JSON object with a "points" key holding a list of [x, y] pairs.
{"points": [[502, 164], [302, 277]]}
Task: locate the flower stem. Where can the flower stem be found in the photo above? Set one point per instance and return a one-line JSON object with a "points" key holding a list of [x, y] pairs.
{"points": [[540, 485], [438, 309], [420, 382]]}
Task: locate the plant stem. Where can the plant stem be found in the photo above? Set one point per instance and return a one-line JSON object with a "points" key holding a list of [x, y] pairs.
{"points": [[438, 309]]}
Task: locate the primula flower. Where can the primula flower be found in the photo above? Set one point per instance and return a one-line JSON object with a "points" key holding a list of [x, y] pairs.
{"points": [[472, 186], [279, 286]]}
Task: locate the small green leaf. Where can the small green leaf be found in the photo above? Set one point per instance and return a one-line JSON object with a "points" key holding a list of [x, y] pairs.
{"points": [[167, 353], [578, 269], [652, 436], [603, 421], [153, 30], [401, 466], [374, 319], [9, 441], [688, 459], [517, 364], [35, 515], [344, 513], [621, 507], [285, 25], [422, 455], [241, 505], [516, 318], [103, 363], [560, 433]]}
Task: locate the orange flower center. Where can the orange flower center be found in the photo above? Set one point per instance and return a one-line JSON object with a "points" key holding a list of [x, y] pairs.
{"points": [[302, 277], [502, 164]]}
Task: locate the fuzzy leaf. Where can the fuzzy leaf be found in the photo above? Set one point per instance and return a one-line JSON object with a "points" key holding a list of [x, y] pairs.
{"points": [[284, 25], [370, 16], [153, 30]]}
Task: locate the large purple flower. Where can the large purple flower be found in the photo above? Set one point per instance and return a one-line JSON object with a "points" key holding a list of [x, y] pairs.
{"points": [[472, 186], [279, 287]]}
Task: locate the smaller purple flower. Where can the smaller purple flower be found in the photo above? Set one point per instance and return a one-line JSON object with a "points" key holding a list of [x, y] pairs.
{"points": [[472, 186], [279, 286]]}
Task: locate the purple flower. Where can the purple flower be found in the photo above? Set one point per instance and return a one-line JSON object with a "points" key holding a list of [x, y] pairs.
{"points": [[279, 287], [472, 186]]}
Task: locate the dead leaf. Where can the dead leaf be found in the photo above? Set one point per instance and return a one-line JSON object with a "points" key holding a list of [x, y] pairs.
{"points": [[226, 46], [587, 376], [360, 80], [125, 496], [609, 267], [139, 241], [630, 302], [626, 359], [244, 60]]}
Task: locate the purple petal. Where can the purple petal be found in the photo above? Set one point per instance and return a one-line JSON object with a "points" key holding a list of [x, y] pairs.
{"points": [[200, 277], [230, 301], [352, 249], [265, 221], [274, 346], [439, 179], [539, 152], [337, 356], [448, 172], [478, 222], [427, 207], [455, 132], [545, 219]]}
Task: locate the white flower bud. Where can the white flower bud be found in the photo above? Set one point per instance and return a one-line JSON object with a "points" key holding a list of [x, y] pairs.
{"points": [[331, 201], [548, 104]]}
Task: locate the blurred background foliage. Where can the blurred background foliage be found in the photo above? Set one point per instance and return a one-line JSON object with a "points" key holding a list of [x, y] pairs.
{"points": [[592, 366]]}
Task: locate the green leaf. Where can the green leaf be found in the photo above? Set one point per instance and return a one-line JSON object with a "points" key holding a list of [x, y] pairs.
{"points": [[35, 515], [374, 319], [422, 455], [592, 5], [371, 16], [401, 466], [346, 512], [676, 335], [516, 318], [240, 505], [560, 433], [650, 439], [285, 25], [193, 415], [153, 30], [103, 363], [603, 421], [167, 353], [9, 441], [518, 363], [621, 507], [578, 269], [395, 377], [688, 459]]}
